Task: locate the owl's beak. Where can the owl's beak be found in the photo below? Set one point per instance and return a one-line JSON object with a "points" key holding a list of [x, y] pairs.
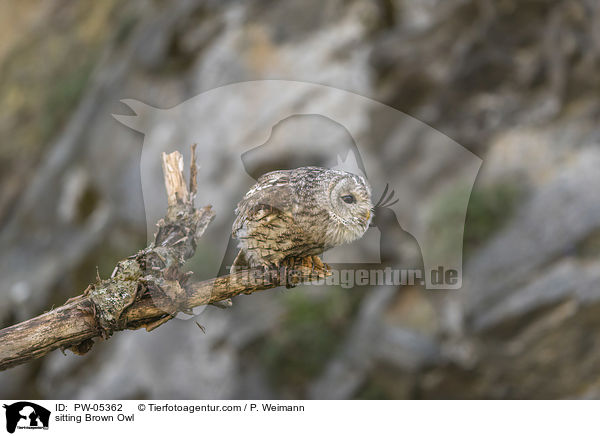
{"points": [[368, 214]]}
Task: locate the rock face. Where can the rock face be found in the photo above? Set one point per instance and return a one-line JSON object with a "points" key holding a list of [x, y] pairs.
{"points": [[514, 83]]}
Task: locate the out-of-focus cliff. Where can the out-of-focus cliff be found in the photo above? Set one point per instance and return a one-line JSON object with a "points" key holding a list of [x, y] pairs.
{"points": [[515, 82]]}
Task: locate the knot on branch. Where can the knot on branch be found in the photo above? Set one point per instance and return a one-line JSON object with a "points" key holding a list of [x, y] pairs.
{"points": [[111, 297]]}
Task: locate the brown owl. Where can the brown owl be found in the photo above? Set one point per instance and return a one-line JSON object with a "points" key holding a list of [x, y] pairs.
{"points": [[300, 213]]}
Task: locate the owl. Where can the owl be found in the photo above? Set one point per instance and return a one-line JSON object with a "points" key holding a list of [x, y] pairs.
{"points": [[300, 213]]}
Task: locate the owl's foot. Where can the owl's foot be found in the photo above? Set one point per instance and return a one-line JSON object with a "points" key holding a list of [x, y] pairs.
{"points": [[318, 265], [320, 270], [292, 273]]}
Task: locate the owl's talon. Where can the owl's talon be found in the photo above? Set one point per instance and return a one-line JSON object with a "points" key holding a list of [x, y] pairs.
{"points": [[318, 262], [293, 268], [307, 262], [319, 267]]}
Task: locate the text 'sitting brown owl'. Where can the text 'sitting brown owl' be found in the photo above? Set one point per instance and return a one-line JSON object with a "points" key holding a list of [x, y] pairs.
{"points": [[300, 213]]}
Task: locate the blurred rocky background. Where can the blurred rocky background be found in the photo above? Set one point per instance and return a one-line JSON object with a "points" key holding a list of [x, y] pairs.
{"points": [[515, 82]]}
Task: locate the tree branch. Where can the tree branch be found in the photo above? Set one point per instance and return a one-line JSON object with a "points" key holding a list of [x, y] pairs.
{"points": [[147, 289]]}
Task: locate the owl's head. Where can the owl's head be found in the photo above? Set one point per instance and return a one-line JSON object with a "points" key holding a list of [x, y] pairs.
{"points": [[351, 206]]}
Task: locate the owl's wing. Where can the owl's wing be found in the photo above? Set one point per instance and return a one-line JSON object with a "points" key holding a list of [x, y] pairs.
{"points": [[266, 201]]}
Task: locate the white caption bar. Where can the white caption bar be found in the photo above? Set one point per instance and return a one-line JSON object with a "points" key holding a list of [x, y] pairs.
{"points": [[298, 417]]}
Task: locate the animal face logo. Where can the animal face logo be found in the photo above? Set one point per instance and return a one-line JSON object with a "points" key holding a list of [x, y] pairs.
{"points": [[26, 415], [247, 129]]}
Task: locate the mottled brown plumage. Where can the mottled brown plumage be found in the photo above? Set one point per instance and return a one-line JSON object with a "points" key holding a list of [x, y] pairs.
{"points": [[299, 213]]}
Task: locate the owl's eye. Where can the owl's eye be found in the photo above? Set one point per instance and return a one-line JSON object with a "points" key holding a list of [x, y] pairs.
{"points": [[349, 199]]}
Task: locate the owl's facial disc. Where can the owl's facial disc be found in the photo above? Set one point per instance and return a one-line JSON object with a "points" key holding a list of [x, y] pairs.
{"points": [[351, 206]]}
